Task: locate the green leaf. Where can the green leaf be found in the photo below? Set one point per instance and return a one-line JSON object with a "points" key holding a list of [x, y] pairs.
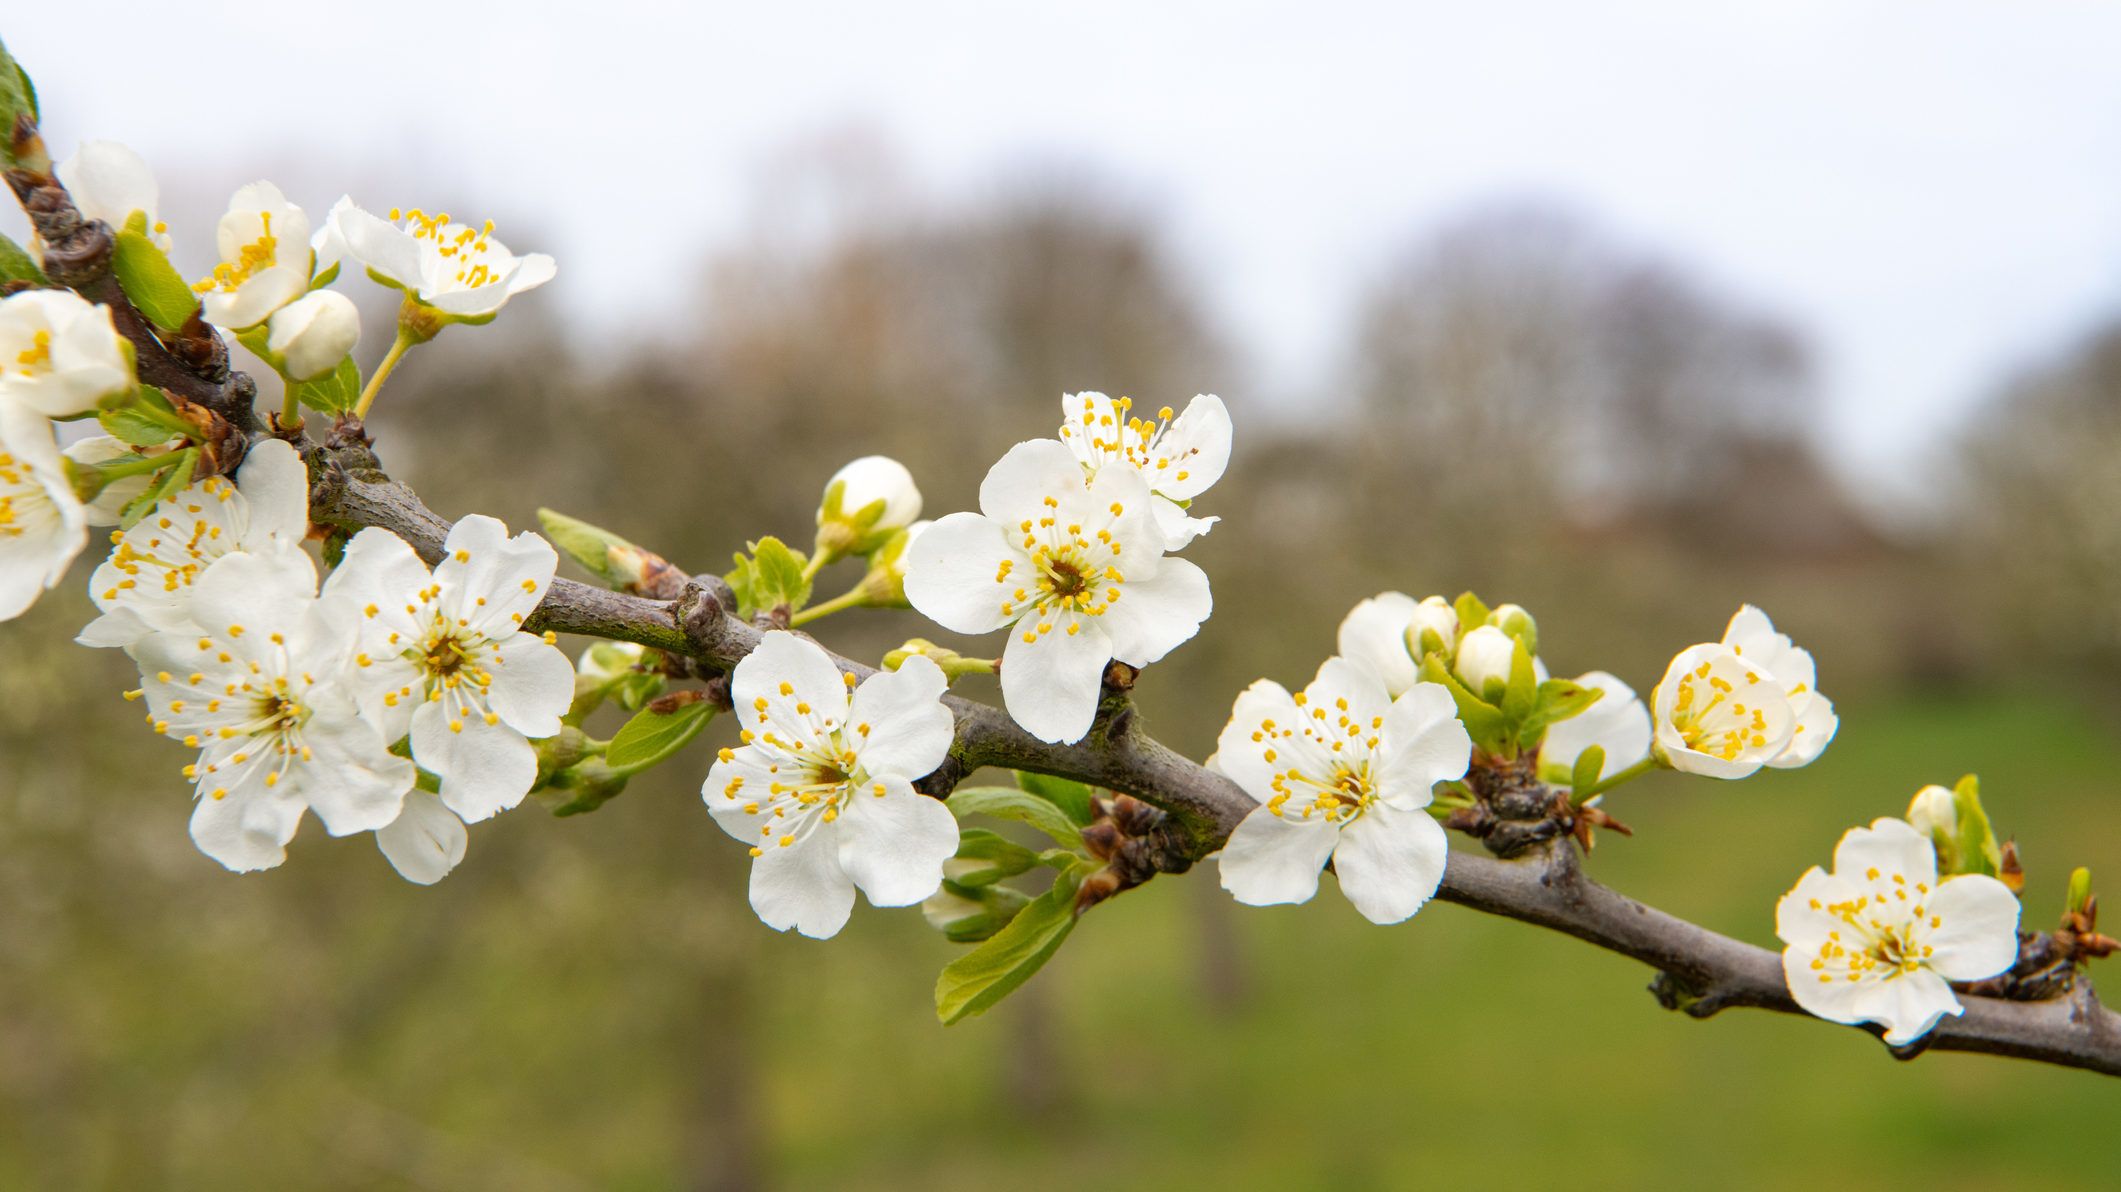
{"points": [[1471, 613], [165, 485], [333, 393], [17, 97], [1978, 852], [999, 857], [17, 265], [977, 981], [134, 427], [1589, 764], [1070, 796], [652, 736], [1006, 802], [1523, 689], [994, 907], [153, 284], [780, 575], [1558, 700]]}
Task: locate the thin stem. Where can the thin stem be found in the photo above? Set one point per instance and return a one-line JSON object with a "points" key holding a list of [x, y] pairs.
{"points": [[290, 408], [1580, 797], [852, 598], [819, 559], [119, 469], [398, 348]]}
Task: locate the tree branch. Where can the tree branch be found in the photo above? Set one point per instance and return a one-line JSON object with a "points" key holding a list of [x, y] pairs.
{"points": [[1700, 971]]}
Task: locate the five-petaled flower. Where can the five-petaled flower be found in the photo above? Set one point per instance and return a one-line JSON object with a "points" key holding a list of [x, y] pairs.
{"points": [[1075, 565], [822, 785], [146, 585], [59, 355], [265, 259], [443, 655], [1341, 771], [42, 523], [1878, 939], [260, 693], [1727, 708], [1178, 457], [460, 270]]}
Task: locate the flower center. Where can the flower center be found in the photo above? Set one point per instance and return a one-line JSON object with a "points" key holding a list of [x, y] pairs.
{"points": [[259, 254], [1114, 435], [1077, 571], [464, 247], [1718, 723], [1884, 932]]}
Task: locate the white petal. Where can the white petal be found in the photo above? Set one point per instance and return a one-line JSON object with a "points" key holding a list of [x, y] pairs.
{"points": [[783, 659], [533, 684], [1198, 444], [108, 181], [1907, 1006], [1617, 723], [1364, 694], [426, 841], [1374, 633], [385, 249], [275, 487], [1755, 639], [1800, 924], [1424, 744], [1889, 846], [256, 594], [480, 561], [1270, 860], [1390, 861], [532, 270], [1816, 726], [1978, 934], [1051, 684], [951, 572], [802, 886], [257, 298], [1155, 614], [1241, 750], [893, 846], [248, 828], [485, 768], [908, 729], [1018, 484], [353, 782], [732, 785], [1178, 528]]}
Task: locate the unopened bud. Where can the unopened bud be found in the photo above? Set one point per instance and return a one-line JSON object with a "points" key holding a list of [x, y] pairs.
{"points": [[1483, 662], [865, 504], [2080, 890], [1433, 629], [312, 334], [619, 563], [1515, 621], [954, 665]]}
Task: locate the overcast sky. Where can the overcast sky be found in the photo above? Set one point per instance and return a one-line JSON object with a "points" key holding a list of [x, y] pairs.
{"points": [[1929, 188]]}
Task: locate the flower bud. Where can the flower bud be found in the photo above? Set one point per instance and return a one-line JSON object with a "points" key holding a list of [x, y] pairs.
{"points": [[313, 333], [1933, 813], [1515, 621], [1483, 663], [1433, 629], [865, 503]]}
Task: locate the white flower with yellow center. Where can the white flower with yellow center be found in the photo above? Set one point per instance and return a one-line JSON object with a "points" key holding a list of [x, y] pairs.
{"points": [[1342, 772], [110, 182], [1075, 565], [1718, 715], [1878, 939], [1752, 637], [458, 269], [1179, 457], [265, 258], [261, 693], [42, 523], [822, 785], [443, 655], [1391, 631], [146, 585], [59, 355], [1617, 724]]}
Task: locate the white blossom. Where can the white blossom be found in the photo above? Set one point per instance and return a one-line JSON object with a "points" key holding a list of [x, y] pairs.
{"points": [[1179, 457], [1341, 771], [312, 334], [442, 655], [1617, 723], [822, 785], [457, 269], [1719, 715], [1877, 939], [261, 693], [265, 259], [59, 354], [110, 182], [42, 523], [1752, 636], [1076, 568], [146, 584], [1386, 632]]}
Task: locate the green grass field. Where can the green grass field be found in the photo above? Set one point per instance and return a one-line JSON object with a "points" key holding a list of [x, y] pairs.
{"points": [[588, 1004]]}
